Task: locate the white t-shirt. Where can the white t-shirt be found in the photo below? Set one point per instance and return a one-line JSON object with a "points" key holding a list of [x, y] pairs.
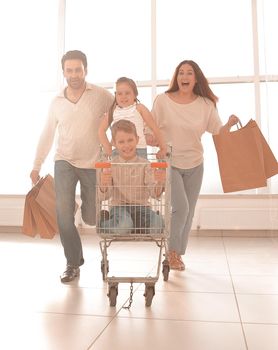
{"points": [[183, 125], [131, 113]]}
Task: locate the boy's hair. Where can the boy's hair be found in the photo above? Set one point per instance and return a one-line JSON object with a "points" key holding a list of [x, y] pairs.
{"points": [[74, 55], [123, 125]]}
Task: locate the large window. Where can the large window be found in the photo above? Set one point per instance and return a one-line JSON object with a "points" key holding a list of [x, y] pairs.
{"points": [[114, 34], [234, 42], [217, 34], [29, 66]]}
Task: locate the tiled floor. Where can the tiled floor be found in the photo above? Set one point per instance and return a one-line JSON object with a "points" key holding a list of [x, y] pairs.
{"points": [[226, 299]]}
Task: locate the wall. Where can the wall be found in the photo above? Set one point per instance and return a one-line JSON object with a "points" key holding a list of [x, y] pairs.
{"points": [[218, 212]]}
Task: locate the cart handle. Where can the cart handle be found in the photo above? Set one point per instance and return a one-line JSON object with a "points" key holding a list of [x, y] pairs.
{"points": [[162, 165], [102, 165]]}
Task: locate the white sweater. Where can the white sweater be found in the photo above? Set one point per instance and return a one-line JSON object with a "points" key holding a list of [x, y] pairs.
{"points": [[76, 125], [183, 125]]}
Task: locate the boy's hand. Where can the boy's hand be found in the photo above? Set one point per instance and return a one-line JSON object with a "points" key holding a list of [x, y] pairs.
{"points": [[106, 178], [160, 176]]}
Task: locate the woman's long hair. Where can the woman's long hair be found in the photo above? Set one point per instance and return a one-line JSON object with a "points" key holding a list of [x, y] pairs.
{"points": [[201, 87]]}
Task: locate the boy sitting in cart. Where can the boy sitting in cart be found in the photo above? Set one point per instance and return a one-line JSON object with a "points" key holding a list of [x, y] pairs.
{"points": [[128, 185]]}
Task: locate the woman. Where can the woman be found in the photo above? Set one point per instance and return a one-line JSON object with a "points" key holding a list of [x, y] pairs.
{"points": [[183, 113]]}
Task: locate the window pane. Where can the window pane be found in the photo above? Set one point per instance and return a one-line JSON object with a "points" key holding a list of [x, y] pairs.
{"points": [[29, 75], [269, 122], [268, 34], [216, 34], [115, 35]]}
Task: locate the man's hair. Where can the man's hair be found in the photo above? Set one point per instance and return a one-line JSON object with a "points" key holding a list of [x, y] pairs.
{"points": [[123, 125], [74, 55]]}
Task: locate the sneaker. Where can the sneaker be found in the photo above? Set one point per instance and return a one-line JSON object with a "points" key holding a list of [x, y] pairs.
{"points": [[70, 274], [175, 261]]}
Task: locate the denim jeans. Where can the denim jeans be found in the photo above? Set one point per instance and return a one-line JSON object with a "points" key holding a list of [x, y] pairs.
{"points": [[185, 189], [66, 177], [141, 152], [132, 219]]}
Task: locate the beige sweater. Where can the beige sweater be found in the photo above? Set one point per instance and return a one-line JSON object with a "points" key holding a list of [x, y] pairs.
{"points": [[76, 128], [183, 125], [133, 182]]}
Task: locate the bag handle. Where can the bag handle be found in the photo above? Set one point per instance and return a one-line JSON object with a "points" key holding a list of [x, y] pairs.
{"points": [[240, 124]]}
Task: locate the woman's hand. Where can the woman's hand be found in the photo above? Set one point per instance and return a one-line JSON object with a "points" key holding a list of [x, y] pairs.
{"points": [[233, 120]]}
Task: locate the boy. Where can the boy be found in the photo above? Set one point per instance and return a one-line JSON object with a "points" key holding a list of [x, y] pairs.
{"points": [[128, 184]]}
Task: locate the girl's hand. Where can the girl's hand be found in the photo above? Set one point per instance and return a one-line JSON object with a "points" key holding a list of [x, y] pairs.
{"points": [[107, 150], [150, 140], [162, 153]]}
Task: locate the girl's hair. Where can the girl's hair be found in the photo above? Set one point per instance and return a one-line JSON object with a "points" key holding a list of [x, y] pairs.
{"points": [[201, 87], [133, 86], [123, 125]]}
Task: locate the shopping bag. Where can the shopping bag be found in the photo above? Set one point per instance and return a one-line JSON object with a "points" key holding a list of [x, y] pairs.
{"points": [[245, 159], [29, 226], [39, 215]]}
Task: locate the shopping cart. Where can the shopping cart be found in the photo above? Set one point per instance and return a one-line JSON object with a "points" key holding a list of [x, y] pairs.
{"points": [[121, 217]]}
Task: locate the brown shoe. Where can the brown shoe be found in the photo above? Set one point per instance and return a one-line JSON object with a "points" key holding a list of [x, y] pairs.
{"points": [[181, 262], [70, 274], [175, 262]]}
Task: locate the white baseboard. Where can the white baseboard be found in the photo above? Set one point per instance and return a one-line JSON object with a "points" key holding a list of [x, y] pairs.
{"points": [[258, 212]]}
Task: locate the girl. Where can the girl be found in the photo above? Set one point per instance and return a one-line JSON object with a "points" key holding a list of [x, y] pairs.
{"points": [[127, 106]]}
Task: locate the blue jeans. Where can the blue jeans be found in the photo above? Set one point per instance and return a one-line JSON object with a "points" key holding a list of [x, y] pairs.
{"points": [[185, 189], [132, 219], [141, 152], [66, 177]]}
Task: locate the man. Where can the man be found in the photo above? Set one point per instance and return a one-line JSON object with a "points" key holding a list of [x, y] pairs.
{"points": [[75, 115]]}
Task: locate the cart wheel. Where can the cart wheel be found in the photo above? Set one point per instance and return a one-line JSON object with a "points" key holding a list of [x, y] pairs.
{"points": [[165, 269], [112, 294], [104, 273], [149, 294]]}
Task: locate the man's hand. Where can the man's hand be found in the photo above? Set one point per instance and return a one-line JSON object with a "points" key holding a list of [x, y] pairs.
{"points": [[35, 176]]}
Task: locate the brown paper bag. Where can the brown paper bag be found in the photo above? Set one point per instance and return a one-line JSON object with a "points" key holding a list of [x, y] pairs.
{"points": [[39, 210], [245, 159], [29, 226]]}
